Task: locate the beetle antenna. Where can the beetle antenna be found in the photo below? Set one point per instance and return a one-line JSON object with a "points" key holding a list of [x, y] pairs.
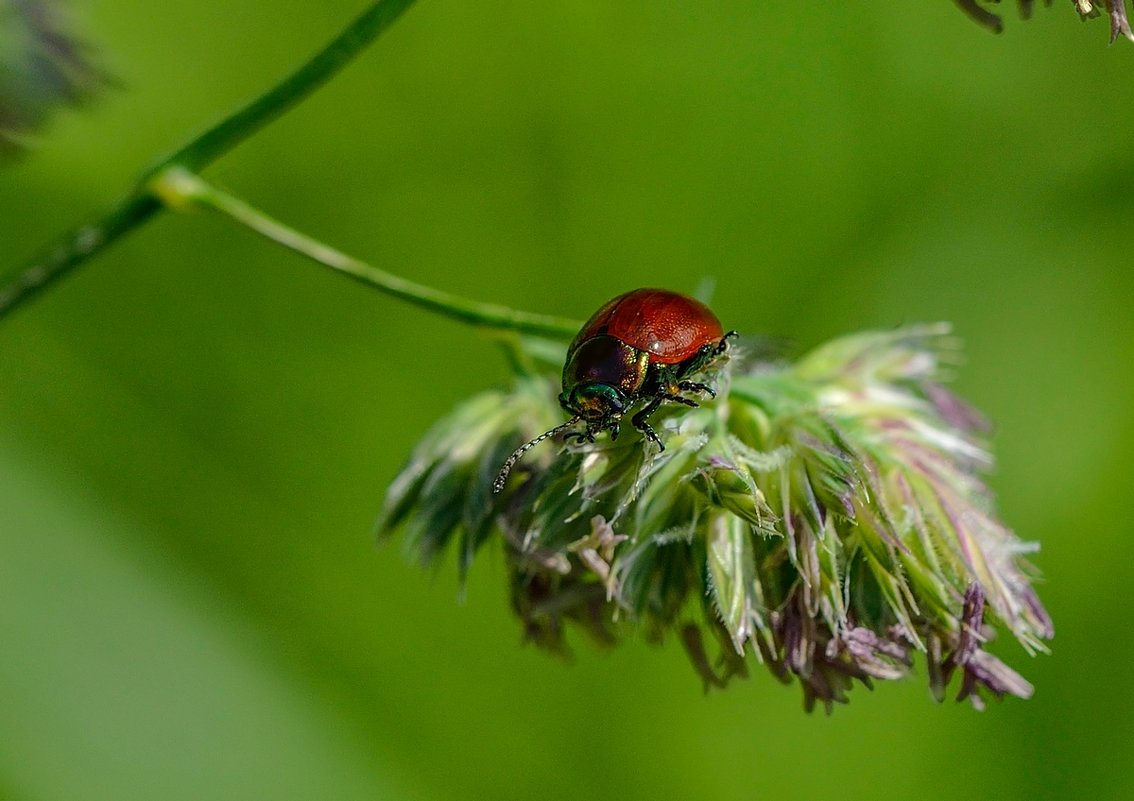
{"points": [[506, 468]]}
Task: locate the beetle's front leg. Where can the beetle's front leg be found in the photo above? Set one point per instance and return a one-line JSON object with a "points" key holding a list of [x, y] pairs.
{"points": [[580, 437], [639, 421]]}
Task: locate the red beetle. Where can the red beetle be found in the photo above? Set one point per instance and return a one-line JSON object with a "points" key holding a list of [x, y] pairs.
{"points": [[638, 347]]}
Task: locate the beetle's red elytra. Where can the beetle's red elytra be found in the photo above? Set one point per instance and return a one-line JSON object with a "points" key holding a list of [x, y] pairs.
{"points": [[669, 326], [638, 347]]}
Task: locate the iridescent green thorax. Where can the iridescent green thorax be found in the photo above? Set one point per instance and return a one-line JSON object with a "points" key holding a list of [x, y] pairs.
{"points": [[602, 377]]}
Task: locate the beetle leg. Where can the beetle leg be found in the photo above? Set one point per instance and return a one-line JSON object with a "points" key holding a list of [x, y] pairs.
{"points": [[649, 433], [579, 437], [679, 399], [697, 386], [722, 346], [705, 356], [639, 421]]}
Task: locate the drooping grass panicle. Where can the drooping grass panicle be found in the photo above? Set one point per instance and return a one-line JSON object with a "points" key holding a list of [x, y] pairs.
{"points": [[1115, 12], [826, 518], [43, 66]]}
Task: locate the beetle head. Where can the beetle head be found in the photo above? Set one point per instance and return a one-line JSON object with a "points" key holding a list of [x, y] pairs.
{"points": [[598, 404]]}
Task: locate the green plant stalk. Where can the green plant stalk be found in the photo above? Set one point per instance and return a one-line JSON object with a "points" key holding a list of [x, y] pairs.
{"points": [[180, 188], [206, 148], [76, 247]]}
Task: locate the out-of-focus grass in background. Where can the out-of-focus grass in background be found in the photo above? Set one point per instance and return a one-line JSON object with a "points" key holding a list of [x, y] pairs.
{"points": [[197, 428]]}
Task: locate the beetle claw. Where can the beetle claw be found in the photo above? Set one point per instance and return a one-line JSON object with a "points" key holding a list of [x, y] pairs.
{"points": [[649, 433]]}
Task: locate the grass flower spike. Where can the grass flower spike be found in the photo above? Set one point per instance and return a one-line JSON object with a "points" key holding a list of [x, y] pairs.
{"points": [[42, 68], [825, 518], [1115, 11]]}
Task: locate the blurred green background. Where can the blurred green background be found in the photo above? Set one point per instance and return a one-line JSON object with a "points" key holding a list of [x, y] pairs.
{"points": [[197, 428]]}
